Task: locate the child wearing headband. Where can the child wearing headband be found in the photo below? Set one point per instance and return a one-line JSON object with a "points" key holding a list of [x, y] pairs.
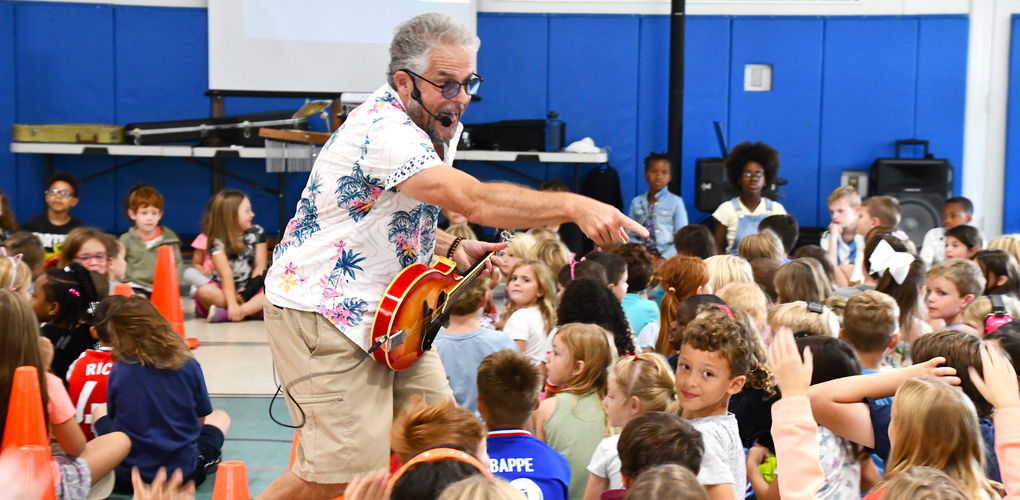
{"points": [[15, 275]]}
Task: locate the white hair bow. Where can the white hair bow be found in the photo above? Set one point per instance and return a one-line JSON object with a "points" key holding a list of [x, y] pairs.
{"points": [[884, 258]]}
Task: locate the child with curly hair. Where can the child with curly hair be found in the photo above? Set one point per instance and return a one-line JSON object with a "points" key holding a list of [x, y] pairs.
{"points": [[718, 356]]}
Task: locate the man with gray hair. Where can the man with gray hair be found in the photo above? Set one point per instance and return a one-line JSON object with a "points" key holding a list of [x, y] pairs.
{"points": [[369, 210]]}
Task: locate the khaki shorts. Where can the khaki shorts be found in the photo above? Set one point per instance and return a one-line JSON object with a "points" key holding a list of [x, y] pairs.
{"points": [[347, 417]]}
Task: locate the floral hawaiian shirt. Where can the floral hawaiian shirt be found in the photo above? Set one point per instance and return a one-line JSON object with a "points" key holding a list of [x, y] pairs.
{"points": [[354, 230]]}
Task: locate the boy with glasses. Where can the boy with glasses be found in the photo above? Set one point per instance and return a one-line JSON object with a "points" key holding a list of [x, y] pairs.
{"points": [[53, 225]]}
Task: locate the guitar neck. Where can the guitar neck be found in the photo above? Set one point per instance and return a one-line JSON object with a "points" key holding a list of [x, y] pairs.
{"points": [[466, 281]]}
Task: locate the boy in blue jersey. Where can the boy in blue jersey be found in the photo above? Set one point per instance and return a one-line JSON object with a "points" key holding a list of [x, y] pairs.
{"points": [[508, 387]]}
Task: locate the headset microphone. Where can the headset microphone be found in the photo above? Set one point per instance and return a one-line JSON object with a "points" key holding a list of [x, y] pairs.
{"points": [[446, 121]]}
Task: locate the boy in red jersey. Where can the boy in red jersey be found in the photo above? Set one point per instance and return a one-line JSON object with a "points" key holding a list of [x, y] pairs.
{"points": [[86, 382]]}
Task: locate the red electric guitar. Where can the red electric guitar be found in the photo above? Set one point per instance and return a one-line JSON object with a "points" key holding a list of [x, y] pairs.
{"points": [[416, 305]]}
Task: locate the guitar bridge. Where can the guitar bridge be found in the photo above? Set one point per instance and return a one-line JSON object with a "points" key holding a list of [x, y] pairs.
{"points": [[396, 340]]}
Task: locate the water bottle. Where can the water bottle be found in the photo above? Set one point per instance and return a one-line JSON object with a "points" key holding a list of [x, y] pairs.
{"points": [[553, 133]]}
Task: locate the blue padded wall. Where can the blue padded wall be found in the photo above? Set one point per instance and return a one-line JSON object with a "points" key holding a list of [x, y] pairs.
{"points": [[64, 74], [844, 89], [787, 118], [593, 82], [1011, 204], [868, 92], [942, 89], [8, 173]]}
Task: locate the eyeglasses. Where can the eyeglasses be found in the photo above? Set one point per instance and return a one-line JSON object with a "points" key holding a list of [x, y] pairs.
{"points": [[450, 88], [57, 192], [98, 257], [754, 175]]}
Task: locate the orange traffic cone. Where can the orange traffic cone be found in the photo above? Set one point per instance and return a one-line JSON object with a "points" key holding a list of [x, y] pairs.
{"points": [[231, 482], [25, 424], [38, 472], [124, 290], [166, 292]]}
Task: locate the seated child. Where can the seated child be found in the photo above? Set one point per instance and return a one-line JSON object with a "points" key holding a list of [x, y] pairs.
{"points": [[763, 245], [661, 212], [870, 326], [877, 211], [848, 407], [420, 427], [978, 313], [116, 271], [952, 285], [656, 438], [62, 301], [750, 298], [463, 343], [53, 225], [726, 269], [577, 270], [616, 271], [516, 251], [841, 242], [476, 487], [750, 167], [80, 465], [874, 212], [817, 254], [639, 309], [841, 460], [685, 313], [143, 240], [957, 211], [667, 481], [508, 389], [428, 474], [786, 228], [1008, 242], [681, 277], [585, 301], [801, 280], [801, 316], [15, 274], [31, 250], [86, 246], [238, 252], [963, 241], [156, 395], [637, 386], [695, 240], [1002, 274], [719, 354], [88, 375], [552, 252], [531, 308], [574, 422], [1007, 338], [764, 273]]}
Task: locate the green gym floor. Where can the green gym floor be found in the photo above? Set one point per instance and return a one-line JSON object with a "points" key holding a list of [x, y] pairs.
{"points": [[239, 375]]}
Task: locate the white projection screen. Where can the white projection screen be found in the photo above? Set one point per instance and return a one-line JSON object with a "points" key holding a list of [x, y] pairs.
{"points": [[311, 46]]}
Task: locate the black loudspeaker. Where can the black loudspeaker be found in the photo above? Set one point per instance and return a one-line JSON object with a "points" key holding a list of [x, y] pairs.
{"points": [[921, 184], [712, 188]]}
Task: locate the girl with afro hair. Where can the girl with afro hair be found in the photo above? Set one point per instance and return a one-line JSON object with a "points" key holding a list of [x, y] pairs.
{"points": [[750, 167]]}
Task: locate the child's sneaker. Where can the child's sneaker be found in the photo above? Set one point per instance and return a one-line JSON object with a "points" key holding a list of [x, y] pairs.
{"points": [[217, 315]]}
